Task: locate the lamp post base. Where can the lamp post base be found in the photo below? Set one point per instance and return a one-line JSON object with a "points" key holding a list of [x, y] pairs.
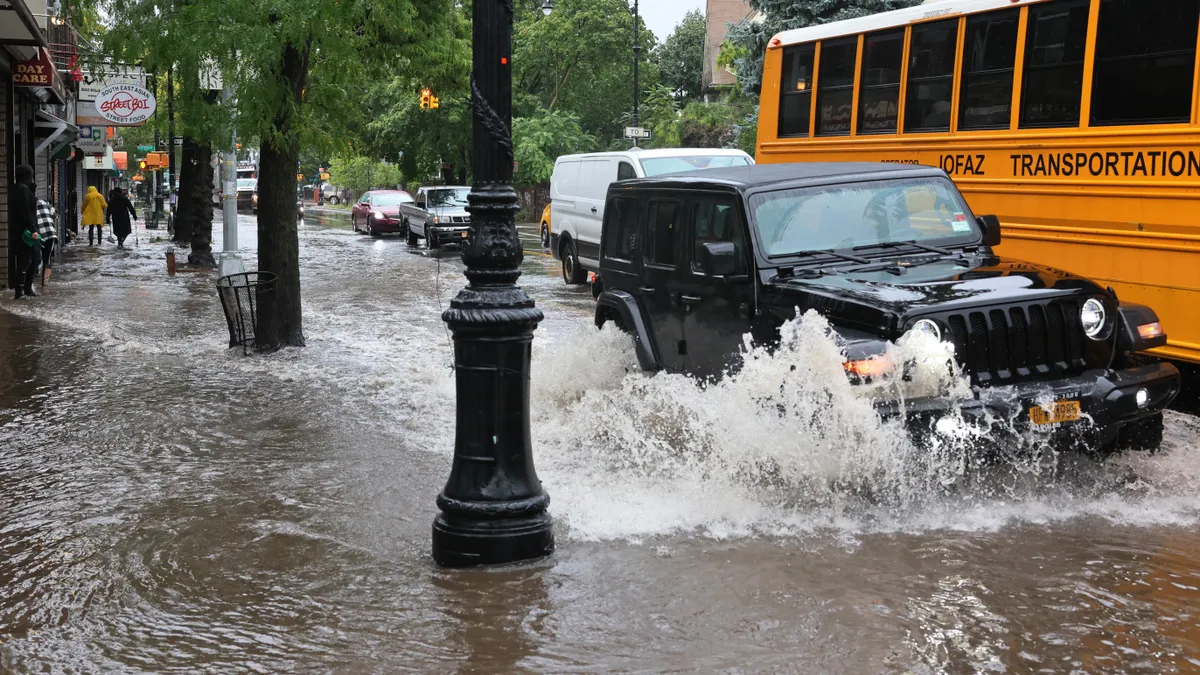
{"points": [[464, 542]]}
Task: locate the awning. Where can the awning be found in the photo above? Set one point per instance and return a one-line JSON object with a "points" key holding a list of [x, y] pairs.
{"points": [[55, 132], [19, 29], [121, 160]]}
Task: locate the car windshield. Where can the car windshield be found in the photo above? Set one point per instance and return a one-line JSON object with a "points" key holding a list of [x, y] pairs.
{"points": [[448, 197], [247, 184], [658, 166], [838, 217], [391, 199]]}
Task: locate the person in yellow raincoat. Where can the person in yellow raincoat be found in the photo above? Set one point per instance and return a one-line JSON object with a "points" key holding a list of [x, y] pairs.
{"points": [[93, 214]]}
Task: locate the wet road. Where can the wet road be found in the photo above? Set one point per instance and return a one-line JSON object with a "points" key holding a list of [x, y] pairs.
{"points": [[167, 505]]}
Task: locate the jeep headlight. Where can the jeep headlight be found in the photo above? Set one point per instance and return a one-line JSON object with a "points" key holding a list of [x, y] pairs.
{"points": [[1093, 317], [929, 328]]}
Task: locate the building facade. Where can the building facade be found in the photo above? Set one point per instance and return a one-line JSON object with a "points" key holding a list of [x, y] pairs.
{"points": [[720, 15]]}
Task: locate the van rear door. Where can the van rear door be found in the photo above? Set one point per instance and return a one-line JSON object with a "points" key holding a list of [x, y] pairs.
{"points": [[564, 197], [595, 175]]}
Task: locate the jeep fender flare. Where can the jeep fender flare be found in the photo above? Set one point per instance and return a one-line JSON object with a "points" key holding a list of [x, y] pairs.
{"points": [[623, 308]]}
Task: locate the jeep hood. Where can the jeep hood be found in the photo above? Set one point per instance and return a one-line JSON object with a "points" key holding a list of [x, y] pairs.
{"points": [[879, 300]]}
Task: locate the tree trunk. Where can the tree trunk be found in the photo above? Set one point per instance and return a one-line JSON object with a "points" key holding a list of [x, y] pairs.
{"points": [[201, 211], [279, 320], [183, 201]]}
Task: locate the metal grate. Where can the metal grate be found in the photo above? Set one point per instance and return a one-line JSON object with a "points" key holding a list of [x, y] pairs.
{"points": [[1018, 343]]}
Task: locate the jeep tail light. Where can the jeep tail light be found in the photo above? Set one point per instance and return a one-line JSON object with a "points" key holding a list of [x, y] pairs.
{"points": [[1149, 331]]}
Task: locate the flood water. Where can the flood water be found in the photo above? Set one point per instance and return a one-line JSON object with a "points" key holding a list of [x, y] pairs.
{"points": [[168, 505]]}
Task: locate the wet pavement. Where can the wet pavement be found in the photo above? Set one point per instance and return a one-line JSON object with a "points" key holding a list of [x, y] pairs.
{"points": [[167, 505]]}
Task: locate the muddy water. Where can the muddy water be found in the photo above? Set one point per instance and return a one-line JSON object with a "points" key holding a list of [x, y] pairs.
{"points": [[167, 505]]}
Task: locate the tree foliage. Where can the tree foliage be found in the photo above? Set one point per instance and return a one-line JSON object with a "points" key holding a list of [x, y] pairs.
{"points": [[681, 57], [748, 42], [540, 139], [362, 173]]}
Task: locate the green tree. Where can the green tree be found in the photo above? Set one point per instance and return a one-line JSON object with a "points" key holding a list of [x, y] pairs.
{"points": [[749, 40], [540, 139], [363, 173], [681, 58], [296, 67]]}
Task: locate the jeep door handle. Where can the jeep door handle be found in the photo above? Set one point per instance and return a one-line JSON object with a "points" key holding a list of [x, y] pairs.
{"points": [[646, 289], [690, 300]]}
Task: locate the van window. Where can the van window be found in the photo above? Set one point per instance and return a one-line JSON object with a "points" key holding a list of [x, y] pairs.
{"points": [[716, 221], [595, 177], [1053, 83], [931, 76], [662, 165], [625, 171], [989, 56], [879, 101], [663, 223], [795, 93], [621, 228], [835, 86], [1145, 62]]}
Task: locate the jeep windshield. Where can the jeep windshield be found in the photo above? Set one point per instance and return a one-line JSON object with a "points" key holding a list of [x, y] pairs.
{"points": [[453, 197], [861, 216], [657, 166]]}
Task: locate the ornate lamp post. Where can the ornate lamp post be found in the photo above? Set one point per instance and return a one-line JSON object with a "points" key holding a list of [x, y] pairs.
{"points": [[493, 509]]}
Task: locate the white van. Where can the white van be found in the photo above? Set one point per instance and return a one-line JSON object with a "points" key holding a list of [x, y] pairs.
{"points": [[580, 184]]}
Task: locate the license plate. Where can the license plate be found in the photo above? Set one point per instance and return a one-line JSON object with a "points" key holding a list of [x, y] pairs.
{"points": [[1063, 411]]}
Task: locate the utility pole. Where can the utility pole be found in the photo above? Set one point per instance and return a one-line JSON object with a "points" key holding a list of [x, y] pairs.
{"points": [[231, 261], [158, 177], [493, 508], [637, 58], [171, 144]]}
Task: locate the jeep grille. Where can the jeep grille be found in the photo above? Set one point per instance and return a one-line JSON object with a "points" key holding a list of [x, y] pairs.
{"points": [[1024, 342]]}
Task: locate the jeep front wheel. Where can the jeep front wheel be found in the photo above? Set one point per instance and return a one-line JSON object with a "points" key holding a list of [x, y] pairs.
{"points": [[572, 273]]}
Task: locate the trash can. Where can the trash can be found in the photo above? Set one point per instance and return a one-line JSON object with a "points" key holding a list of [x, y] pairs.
{"points": [[239, 295]]}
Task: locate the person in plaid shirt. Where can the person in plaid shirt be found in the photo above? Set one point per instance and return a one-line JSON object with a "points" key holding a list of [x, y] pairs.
{"points": [[47, 219]]}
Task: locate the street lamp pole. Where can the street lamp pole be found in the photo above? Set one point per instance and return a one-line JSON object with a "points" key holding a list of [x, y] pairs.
{"points": [[493, 508], [637, 58]]}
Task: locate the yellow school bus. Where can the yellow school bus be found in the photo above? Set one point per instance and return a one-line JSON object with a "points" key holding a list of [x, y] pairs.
{"points": [[1077, 122]]}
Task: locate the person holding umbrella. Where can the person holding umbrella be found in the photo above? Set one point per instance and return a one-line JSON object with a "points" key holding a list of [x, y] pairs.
{"points": [[119, 211]]}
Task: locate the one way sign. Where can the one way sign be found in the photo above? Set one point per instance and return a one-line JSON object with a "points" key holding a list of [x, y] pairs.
{"points": [[638, 133]]}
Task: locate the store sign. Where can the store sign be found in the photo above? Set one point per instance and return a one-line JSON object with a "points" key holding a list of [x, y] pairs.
{"points": [[36, 73], [91, 140], [125, 104], [94, 83], [101, 163]]}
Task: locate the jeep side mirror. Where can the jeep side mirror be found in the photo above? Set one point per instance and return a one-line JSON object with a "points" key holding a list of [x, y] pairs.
{"points": [[991, 230], [719, 259]]}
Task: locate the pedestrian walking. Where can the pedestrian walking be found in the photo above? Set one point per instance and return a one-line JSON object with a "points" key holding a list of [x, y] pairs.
{"points": [[24, 230], [47, 218], [119, 211], [93, 214]]}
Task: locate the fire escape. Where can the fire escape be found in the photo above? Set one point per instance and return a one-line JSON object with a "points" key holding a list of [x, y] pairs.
{"points": [[64, 47]]}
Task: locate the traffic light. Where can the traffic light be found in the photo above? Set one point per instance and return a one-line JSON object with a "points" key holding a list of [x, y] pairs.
{"points": [[142, 165], [433, 102], [426, 98]]}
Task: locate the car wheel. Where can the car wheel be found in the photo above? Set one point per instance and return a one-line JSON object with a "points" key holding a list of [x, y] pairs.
{"points": [[545, 235], [334, 200], [371, 228], [572, 272], [354, 223], [429, 244], [412, 236]]}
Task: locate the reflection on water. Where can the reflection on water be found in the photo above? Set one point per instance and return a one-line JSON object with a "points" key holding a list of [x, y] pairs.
{"points": [[166, 504]]}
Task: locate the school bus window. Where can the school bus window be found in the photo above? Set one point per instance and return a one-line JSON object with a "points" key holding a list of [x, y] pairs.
{"points": [[879, 98], [987, 79], [796, 91], [835, 86], [1145, 62], [1054, 52], [931, 76]]}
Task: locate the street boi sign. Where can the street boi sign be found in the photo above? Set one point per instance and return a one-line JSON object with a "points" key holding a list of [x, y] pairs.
{"points": [[639, 133], [125, 104]]}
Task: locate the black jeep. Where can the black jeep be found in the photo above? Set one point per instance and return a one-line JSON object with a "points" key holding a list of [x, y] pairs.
{"points": [[692, 262]]}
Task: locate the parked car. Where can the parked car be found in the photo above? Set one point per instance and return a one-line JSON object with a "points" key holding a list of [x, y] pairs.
{"points": [[439, 216], [580, 182], [247, 194], [380, 212], [546, 227], [690, 263]]}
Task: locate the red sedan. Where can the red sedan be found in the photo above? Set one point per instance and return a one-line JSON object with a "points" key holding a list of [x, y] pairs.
{"points": [[378, 212]]}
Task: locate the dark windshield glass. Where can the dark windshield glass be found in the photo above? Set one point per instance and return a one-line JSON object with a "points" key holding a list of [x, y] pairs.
{"points": [[860, 214], [448, 197], [391, 199]]}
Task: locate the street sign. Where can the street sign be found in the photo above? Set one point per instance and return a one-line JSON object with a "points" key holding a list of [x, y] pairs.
{"points": [[145, 148], [178, 140], [639, 133]]}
